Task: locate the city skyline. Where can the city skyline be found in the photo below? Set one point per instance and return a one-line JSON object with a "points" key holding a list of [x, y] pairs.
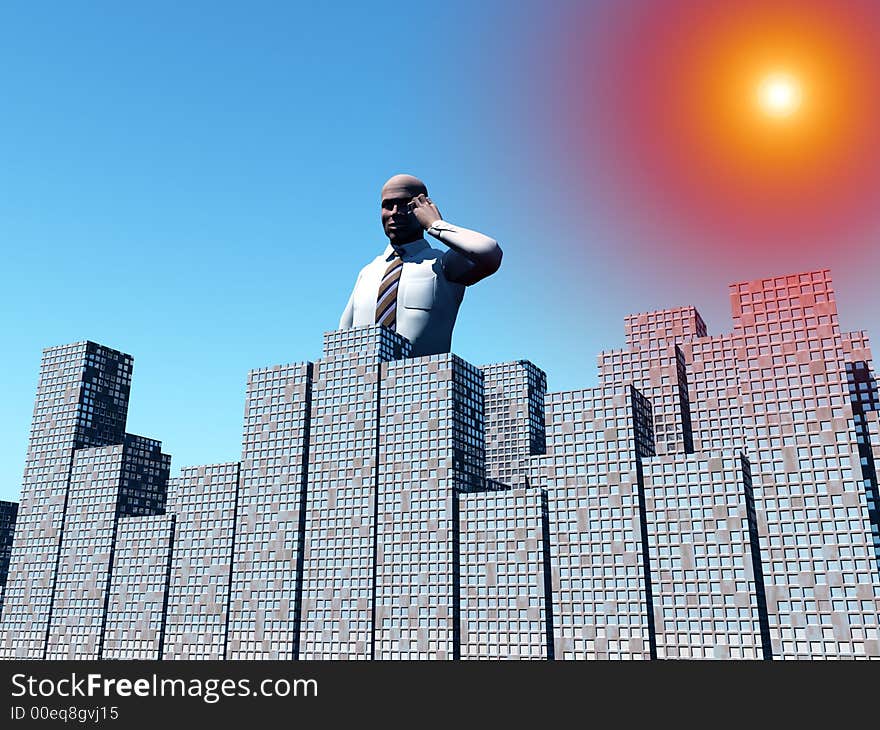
{"points": [[10, 490], [198, 162], [714, 496]]}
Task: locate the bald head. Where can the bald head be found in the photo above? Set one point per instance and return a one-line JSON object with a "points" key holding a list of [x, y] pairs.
{"points": [[404, 185], [398, 221]]}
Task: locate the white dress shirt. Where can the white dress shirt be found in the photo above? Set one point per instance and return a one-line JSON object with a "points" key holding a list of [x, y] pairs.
{"points": [[427, 302]]}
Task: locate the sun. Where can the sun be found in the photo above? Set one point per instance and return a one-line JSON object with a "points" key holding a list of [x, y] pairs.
{"points": [[779, 94]]}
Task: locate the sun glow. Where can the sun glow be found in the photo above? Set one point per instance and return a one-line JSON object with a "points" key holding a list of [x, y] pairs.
{"points": [[769, 107], [749, 122], [779, 95]]}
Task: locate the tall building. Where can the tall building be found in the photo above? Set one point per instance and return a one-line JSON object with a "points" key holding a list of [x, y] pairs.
{"points": [[506, 598], [601, 589], [713, 497], [106, 484], [82, 402], [788, 392], [865, 404], [137, 604], [515, 429], [431, 446], [654, 363], [706, 576], [269, 520], [203, 500], [8, 514], [348, 399]]}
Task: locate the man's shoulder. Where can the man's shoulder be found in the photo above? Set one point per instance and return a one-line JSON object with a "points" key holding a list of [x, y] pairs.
{"points": [[375, 261], [426, 253], [429, 252], [434, 258]]}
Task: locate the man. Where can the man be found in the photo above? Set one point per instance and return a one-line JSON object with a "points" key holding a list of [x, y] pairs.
{"points": [[412, 288]]}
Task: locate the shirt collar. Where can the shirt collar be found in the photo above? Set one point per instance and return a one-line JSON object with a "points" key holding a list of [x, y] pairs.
{"points": [[407, 250]]}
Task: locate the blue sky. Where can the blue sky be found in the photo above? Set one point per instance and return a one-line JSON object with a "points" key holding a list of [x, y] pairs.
{"points": [[197, 184]]}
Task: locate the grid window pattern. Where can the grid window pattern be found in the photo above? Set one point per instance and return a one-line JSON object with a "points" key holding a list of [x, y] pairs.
{"points": [[872, 435], [705, 593], [337, 621], [662, 328], [127, 479], [864, 398], [872, 427], [86, 554], [431, 442], [139, 588], [514, 413], [590, 471], [713, 497], [788, 380], [719, 420], [263, 606], [503, 609], [203, 501], [143, 487], [687, 430], [8, 514], [81, 402], [656, 363]]}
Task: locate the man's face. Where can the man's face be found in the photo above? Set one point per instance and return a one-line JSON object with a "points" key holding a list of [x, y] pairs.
{"points": [[400, 225]]}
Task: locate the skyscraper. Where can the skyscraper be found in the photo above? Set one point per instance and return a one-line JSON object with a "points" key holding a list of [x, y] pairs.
{"points": [[714, 496], [431, 445], [515, 429], [706, 574], [106, 484], [82, 402], [8, 514], [506, 609], [266, 562], [601, 592], [348, 399], [794, 412], [203, 500], [137, 606]]}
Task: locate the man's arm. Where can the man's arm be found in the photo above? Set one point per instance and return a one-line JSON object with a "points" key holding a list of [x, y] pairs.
{"points": [[472, 256], [346, 321]]}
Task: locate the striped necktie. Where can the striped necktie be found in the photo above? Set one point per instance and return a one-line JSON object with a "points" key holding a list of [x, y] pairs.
{"points": [[386, 302]]}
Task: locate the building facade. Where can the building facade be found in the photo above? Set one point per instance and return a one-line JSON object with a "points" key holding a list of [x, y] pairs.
{"points": [[340, 532], [713, 497], [106, 484], [203, 500], [269, 518], [8, 515], [514, 395], [81, 402]]}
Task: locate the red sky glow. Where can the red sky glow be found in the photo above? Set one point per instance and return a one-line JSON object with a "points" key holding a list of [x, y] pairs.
{"points": [[675, 118]]}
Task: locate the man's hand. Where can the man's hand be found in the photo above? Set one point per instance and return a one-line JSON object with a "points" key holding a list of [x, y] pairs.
{"points": [[423, 208]]}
